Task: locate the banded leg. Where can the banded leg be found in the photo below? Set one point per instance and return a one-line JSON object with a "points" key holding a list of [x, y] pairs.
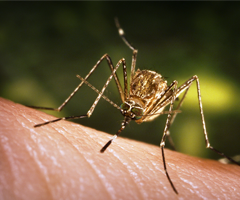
{"points": [[125, 122], [97, 91], [58, 119], [173, 118], [185, 87], [204, 124], [122, 61], [165, 134], [109, 61], [90, 111]]}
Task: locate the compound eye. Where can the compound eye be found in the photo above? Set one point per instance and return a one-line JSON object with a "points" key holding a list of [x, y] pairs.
{"points": [[138, 112], [124, 106]]}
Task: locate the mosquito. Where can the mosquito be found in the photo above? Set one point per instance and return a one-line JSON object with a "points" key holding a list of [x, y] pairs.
{"points": [[147, 98]]}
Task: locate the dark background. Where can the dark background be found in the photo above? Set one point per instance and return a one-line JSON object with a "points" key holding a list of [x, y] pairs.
{"points": [[43, 45]]}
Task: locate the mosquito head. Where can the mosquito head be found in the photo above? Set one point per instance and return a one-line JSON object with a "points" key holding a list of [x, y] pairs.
{"points": [[131, 110]]}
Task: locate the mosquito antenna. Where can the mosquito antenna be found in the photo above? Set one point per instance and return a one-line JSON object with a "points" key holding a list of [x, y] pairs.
{"points": [[122, 34], [135, 51], [125, 122]]}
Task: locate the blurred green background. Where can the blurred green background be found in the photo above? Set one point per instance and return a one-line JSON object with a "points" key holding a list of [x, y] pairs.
{"points": [[43, 45]]}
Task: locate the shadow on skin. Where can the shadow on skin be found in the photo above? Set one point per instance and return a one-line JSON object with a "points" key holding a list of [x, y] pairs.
{"points": [[62, 161]]}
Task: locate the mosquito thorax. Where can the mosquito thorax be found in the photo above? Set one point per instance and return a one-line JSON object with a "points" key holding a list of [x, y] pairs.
{"points": [[147, 85], [132, 110]]}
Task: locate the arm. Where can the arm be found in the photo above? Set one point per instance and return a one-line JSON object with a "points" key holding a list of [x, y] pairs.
{"points": [[62, 160]]}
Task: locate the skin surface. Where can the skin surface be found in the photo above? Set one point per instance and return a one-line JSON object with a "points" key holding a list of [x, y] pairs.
{"points": [[62, 161]]}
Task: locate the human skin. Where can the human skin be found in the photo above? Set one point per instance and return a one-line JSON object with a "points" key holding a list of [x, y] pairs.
{"points": [[62, 161]]}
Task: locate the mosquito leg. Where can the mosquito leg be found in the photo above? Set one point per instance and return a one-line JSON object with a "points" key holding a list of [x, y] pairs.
{"points": [[88, 75], [90, 111], [97, 91], [179, 105], [165, 134], [62, 118], [185, 87], [168, 99], [173, 118], [125, 122], [134, 60], [170, 140], [204, 124], [109, 61], [166, 172], [43, 108], [122, 61], [223, 155], [226, 161]]}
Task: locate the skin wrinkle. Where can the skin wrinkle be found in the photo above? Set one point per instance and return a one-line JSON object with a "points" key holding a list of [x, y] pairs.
{"points": [[153, 171], [219, 177], [93, 138], [153, 167], [125, 167], [208, 183], [68, 142], [41, 174], [97, 142], [160, 168], [11, 172], [79, 153], [210, 190], [38, 159], [192, 174], [217, 174], [197, 190], [89, 135], [218, 184], [133, 178], [7, 158], [93, 169], [15, 173], [157, 167], [232, 185], [122, 163], [185, 173], [10, 159], [44, 178], [146, 157]]}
